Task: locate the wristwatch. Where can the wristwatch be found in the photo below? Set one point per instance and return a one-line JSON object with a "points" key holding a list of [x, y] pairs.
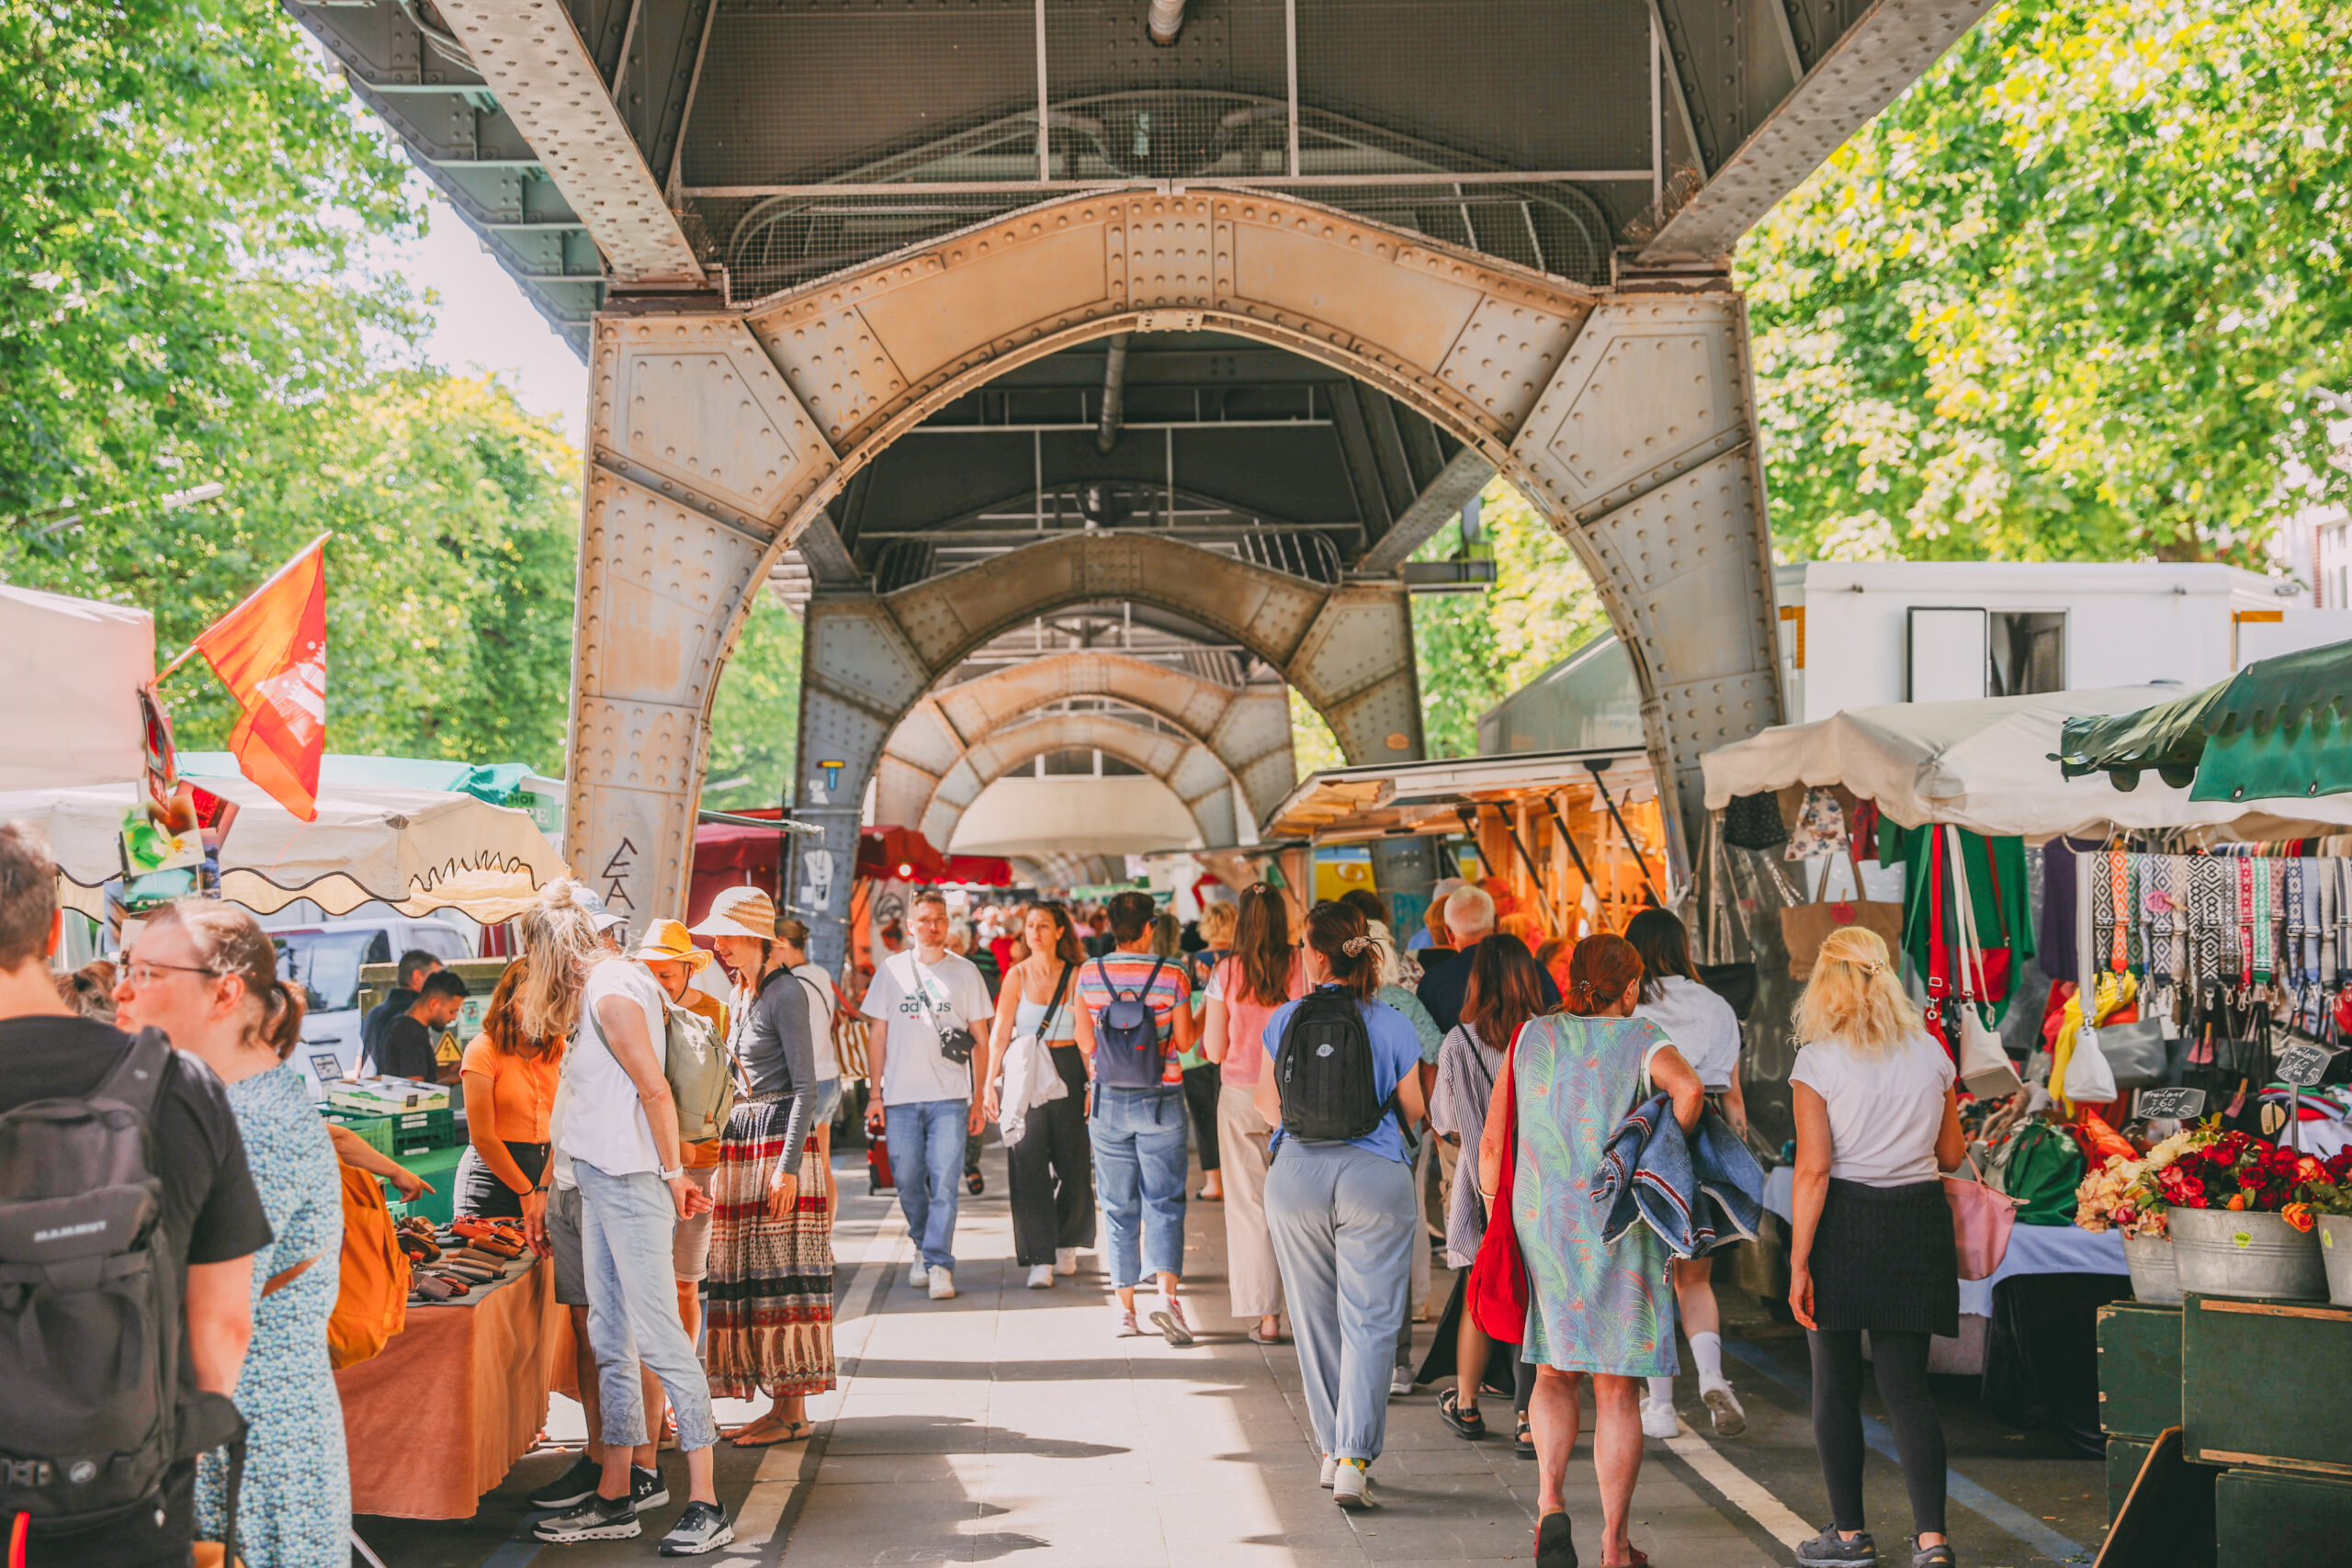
{"points": [[672, 1174]]}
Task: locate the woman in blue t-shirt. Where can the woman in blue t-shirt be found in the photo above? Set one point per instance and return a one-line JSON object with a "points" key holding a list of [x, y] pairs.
{"points": [[1342, 1215]]}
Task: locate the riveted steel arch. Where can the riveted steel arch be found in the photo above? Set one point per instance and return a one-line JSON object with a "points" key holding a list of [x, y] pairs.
{"points": [[716, 436], [1188, 768]]}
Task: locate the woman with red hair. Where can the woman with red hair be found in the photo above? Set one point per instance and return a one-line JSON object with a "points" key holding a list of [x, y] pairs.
{"points": [[1594, 1307]]}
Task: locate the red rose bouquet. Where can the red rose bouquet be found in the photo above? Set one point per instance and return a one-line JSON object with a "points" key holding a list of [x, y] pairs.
{"points": [[2238, 1172]]}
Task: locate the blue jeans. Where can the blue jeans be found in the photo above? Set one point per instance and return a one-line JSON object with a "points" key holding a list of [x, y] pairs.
{"points": [[626, 1225], [1138, 1138], [927, 1161], [1344, 1223]]}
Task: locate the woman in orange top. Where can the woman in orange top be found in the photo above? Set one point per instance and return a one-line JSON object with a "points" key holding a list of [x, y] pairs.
{"points": [[509, 1085]]}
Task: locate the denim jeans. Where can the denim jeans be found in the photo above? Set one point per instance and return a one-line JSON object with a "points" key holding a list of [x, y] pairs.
{"points": [[626, 1223], [927, 1161], [1138, 1138], [1345, 1225]]}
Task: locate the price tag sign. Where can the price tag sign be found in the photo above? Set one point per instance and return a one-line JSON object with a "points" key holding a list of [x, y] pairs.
{"points": [[2171, 1104], [2303, 1064]]}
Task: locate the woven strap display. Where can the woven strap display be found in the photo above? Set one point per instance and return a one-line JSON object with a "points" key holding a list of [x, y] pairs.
{"points": [[2118, 898], [2209, 917]]}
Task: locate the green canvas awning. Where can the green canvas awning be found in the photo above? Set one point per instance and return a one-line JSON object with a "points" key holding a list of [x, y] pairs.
{"points": [[2279, 729]]}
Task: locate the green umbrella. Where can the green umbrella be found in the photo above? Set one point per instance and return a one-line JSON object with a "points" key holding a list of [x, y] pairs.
{"points": [[2279, 728]]}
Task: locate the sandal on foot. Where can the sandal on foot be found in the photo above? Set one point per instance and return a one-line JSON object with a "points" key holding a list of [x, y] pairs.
{"points": [[1554, 1547], [1258, 1336], [1522, 1440], [1470, 1424], [754, 1437]]}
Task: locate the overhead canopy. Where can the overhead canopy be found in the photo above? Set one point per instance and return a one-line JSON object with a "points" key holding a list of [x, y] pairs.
{"points": [[421, 850], [2279, 729], [70, 706], [1388, 798], [1984, 764]]}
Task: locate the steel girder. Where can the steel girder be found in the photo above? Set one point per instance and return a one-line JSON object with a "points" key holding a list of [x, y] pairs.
{"points": [[717, 436], [1188, 769], [1247, 730]]}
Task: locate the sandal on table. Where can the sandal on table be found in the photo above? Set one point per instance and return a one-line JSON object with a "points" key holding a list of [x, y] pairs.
{"points": [[1470, 1424]]}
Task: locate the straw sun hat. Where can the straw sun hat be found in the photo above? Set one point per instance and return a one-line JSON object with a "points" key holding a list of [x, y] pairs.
{"points": [[739, 911], [668, 940]]}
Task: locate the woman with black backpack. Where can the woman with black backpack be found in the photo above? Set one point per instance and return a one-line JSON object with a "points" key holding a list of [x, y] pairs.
{"points": [[1343, 1084]]}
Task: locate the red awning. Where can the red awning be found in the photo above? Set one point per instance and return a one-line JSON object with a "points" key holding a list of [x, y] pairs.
{"points": [[902, 855]]}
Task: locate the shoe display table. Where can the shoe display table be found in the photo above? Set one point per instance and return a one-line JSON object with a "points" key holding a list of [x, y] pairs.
{"points": [[454, 1399]]}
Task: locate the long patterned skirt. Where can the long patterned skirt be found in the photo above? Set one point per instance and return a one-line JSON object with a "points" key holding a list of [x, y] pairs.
{"points": [[770, 1324]]}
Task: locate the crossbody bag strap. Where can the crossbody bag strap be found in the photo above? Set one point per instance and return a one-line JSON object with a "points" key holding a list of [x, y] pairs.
{"points": [[1054, 1007], [921, 989]]}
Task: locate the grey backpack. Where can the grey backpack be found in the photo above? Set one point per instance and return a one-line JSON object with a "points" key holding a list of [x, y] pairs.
{"points": [[90, 1313]]}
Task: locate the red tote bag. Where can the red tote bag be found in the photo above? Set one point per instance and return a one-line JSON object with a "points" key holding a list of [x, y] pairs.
{"points": [[1498, 1292]]}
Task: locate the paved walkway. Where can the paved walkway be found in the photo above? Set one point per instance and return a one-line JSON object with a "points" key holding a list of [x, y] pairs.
{"points": [[1010, 1424]]}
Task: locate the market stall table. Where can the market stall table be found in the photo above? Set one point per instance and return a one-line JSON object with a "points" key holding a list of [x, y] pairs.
{"points": [[455, 1398]]}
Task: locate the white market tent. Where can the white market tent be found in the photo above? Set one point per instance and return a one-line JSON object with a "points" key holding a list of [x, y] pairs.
{"points": [[70, 701], [1988, 765], [420, 850]]}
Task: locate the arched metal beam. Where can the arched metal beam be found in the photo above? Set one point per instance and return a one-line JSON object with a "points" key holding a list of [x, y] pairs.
{"points": [[1181, 763], [715, 437], [1246, 729]]}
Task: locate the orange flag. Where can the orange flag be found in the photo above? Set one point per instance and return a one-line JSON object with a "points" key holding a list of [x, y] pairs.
{"points": [[271, 652]]}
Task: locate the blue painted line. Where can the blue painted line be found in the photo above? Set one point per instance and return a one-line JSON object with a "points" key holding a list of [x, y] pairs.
{"points": [[512, 1554], [1994, 1509]]}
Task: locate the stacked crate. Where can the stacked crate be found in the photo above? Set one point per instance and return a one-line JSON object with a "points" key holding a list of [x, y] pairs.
{"points": [[2267, 1391]]}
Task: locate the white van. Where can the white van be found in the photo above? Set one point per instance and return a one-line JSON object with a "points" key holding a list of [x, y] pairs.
{"points": [[326, 956]]}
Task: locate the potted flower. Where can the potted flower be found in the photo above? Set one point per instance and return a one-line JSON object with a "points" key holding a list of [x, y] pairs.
{"points": [[2329, 1196], [2124, 1194], [2239, 1222]]}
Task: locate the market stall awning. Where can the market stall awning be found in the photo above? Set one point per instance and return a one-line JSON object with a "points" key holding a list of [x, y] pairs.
{"points": [[421, 850], [1387, 798], [70, 706], [2279, 729], [1983, 764], [903, 854]]}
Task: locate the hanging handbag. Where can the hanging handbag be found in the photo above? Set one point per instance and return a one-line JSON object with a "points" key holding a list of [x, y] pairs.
{"points": [[1804, 927], [1734, 980], [1753, 821], [1983, 1062], [1980, 1222], [2137, 1055], [1497, 1299]]}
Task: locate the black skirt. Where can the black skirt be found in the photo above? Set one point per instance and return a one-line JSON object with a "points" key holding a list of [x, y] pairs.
{"points": [[482, 1195], [1882, 1259]]}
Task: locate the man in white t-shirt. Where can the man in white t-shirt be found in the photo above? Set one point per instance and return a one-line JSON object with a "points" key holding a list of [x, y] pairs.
{"points": [[923, 1100]]}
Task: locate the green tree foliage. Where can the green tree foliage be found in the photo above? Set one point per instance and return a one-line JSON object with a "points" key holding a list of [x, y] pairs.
{"points": [[755, 719], [2072, 295]]}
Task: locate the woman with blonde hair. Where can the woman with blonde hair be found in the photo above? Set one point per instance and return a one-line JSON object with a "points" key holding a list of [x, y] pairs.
{"points": [[1595, 1307], [1871, 1250]]}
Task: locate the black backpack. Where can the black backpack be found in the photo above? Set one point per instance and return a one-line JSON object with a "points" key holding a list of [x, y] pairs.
{"points": [[1127, 1053], [1323, 1071], [90, 1330]]}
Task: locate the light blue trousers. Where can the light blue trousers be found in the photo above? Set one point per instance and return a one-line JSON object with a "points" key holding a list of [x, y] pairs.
{"points": [[1344, 1230], [1138, 1140], [626, 1225], [926, 1139]]}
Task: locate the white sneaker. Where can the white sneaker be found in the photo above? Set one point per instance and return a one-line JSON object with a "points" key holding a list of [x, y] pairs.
{"points": [[1168, 1319], [1658, 1419], [1123, 1321], [1331, 1471], [1723, 1405], [1065, 1260], [1041, 1277], [943, 1284], [1400, 1382], [1352, 1486], [918, 1274]]}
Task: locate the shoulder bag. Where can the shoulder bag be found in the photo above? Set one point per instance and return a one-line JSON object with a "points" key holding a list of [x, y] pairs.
{"points": [[1980, 1222], [1804, 927], [1983, 1062], [1496, 1297], [956, 1041]]}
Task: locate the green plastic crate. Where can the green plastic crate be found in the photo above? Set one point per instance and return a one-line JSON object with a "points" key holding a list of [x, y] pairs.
{"points": [[375, 1132], [438, 1167], [2139, 1368]]}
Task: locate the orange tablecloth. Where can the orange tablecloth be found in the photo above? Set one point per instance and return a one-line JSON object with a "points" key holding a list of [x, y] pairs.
{"points": [[454, 1399]]}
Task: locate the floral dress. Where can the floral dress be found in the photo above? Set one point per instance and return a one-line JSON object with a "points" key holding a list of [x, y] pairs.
{"points": [[1592, 1306], [294, 1510]]}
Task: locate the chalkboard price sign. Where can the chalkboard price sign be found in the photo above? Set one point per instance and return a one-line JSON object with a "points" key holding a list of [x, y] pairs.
{"points": [[2303, 1064], [2171, 1104]]}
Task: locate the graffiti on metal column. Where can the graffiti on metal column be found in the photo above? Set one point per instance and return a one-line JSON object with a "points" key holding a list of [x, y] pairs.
{"points": [[816, 878], [615, 874]]}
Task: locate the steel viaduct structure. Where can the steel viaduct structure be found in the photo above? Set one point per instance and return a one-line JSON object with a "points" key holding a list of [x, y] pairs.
{"points": [[1088, 370]]}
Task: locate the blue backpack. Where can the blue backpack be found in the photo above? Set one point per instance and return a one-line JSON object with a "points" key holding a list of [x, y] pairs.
{"points": [[1126, 1034]]}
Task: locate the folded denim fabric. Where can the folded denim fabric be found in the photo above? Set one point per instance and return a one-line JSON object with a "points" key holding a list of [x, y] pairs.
{"points": [[1699, 1193]]}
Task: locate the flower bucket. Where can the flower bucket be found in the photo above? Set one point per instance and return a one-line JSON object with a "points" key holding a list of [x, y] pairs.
{"points": [[2336, 1254], [2154, 1276], [2220, 1252]]}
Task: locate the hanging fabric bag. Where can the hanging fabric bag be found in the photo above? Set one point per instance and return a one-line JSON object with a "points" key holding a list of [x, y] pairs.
{"points": [[1804, 927], [1983, 1062]]}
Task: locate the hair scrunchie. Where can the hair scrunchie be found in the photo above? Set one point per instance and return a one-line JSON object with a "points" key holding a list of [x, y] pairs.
{"points": [[1354, 945]]}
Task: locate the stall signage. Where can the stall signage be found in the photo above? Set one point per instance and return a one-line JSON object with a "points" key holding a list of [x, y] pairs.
{"points": [[2171, 1104], [2305, 1063]]}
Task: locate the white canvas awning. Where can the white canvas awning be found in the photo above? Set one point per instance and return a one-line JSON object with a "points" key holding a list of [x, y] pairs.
{"points": [[1986, 765], [70, 705], [421, 850]]}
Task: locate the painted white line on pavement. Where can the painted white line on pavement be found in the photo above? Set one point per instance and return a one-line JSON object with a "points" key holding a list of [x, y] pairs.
{"points": [[1741, 1489], [784, 1467]]}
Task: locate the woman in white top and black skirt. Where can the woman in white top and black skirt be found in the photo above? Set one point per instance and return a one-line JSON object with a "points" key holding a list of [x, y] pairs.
{"points": [[1878, 1121]]}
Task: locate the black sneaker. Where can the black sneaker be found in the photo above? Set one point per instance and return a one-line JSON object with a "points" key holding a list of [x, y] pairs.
{"points": [[598, 1518], [646, 1489], [576, 1484], [702, 1528], [1830, 1549]]}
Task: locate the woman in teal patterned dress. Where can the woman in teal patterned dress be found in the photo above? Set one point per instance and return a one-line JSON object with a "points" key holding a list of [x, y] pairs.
{"points": [[206, 975], [1593, 1307]]}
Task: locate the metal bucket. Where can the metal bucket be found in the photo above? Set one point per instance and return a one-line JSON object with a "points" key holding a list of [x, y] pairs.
{"points": [[2154, 1276], [2221, 1253], [2336, 1252]]}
